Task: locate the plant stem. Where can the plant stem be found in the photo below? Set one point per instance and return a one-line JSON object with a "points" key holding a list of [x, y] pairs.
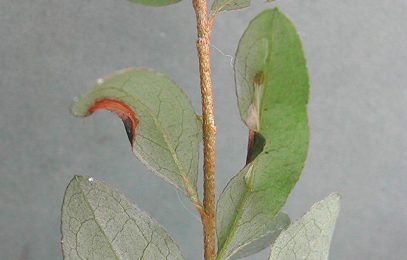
{"points": [[209, 128]]}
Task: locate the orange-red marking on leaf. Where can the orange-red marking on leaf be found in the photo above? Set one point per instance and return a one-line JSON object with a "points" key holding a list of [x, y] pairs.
{"points": [[126, 113]]}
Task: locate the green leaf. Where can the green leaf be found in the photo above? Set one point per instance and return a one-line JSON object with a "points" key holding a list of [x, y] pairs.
{"points": [[242, 230], [99, 222], [272, 88], [160, 121], [310, 236], [264, 239], [155, 2], [228, 5]]}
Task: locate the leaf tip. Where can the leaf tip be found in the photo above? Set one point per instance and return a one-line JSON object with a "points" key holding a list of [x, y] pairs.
{"points": [[335, 195], [337, 198], [75, 108]]}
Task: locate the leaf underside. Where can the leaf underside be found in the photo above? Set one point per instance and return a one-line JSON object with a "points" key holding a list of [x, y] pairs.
{"points": [[264, 240], [100, 223], [155, 2], [160, 122], [272, 89], [310, 236], [228, 5]]}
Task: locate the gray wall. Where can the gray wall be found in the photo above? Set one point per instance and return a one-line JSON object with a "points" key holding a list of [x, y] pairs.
{"points": [[51, 51]]}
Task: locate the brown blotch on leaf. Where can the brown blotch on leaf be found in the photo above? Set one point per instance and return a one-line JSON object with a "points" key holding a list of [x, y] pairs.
{"points": [[122, 110], [259, 78]]}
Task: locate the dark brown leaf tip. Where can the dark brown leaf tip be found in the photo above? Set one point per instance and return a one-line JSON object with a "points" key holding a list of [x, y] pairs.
{"points": [[255, 145], [122, 110]]}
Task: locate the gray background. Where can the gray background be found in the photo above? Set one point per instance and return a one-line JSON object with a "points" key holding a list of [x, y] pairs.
{"points": [[52, 50]]}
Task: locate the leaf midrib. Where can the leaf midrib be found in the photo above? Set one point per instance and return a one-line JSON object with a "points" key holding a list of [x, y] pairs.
{"points": [[236, 219]]}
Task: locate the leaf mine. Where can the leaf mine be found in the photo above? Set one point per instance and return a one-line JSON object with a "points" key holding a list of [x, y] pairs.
{"points": [[272, 90], [160, 122]]}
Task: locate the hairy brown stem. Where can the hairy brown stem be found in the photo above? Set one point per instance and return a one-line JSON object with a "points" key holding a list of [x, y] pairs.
{"points": [[209, 128]]}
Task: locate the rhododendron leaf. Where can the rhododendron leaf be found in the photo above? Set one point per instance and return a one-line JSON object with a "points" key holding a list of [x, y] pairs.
{"points": [[272, 88], [100, 223], [161, 123]]}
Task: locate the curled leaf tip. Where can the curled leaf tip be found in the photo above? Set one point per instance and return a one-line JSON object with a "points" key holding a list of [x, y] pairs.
{"points": [[255, 145], [126, 113]]}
